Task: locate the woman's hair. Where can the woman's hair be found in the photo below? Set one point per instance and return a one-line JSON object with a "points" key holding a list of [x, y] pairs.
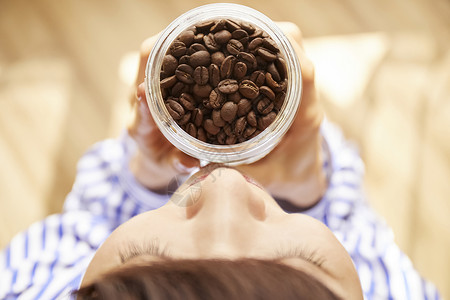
{"points": [[207, 279]]}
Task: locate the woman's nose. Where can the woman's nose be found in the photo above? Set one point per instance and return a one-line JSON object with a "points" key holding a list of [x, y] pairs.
{"points": [[228, 211]]}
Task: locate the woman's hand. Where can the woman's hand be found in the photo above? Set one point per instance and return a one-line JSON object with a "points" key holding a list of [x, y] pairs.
{"points": [[157, 161], [293, 170]]}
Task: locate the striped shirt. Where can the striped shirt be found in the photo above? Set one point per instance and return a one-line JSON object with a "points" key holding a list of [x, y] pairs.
{"points": [[48, 260]]}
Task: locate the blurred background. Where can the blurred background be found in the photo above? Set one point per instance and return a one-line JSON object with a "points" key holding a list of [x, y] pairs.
{"points": [[383, 69]]}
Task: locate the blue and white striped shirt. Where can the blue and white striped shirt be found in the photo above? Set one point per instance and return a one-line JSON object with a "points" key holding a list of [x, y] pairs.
{"points": [[48, 260]]}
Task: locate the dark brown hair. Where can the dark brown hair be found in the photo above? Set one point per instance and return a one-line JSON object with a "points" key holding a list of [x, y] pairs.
{"points": [[207, 279]]}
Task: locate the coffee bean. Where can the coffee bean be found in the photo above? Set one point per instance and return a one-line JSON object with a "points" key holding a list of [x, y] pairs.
{"points": [[184, 74], [198, 38], [187, 101], [257, 33], [267, 91], [244, 107], [195, 48], [261, 62], [255, 44], [187, 37], [248, 27], [222, 36], [264, 106], [228, 86], [272, 69], [230, 140], [201, 75], [251, 119], [258, 77], [240, 69], [281, 67], [197, 117], [249, 89], [221, 137], [271, 45], [217, 58], [214, 75], [177, 49], [191, 129], [281, 87], [248, 131], [266, 120], [226, 69], [234, 97], [217, 119], [209, 126], [210, 42], [271, 82], [279, 100], [202, 91], [228, 111], [200, 58], [216, 98], [241, 36], [239, 126], [175, 109], [184, 119], [257, 131], [169, 64], [218, 26], [234, 47], [179, 88], [247, 58], [184, 60], [201, 134], [266, 54], [232, 25], [204, 26], [168, 82]]}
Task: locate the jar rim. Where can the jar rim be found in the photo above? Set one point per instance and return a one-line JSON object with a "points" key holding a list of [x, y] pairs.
{"points": [[247, 151]]}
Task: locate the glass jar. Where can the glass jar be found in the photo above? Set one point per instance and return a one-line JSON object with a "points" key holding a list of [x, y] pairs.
{"points": [[247, 151]]}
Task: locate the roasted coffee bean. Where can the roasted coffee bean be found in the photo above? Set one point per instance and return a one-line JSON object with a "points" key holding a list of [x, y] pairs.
{"points": [[175, 109], [214, 75], [281, 87], [255, 44], [184, 119], [271, 45], [177, 49], [198, 38], [228, 111], [240, 69], [261, 63], [279, 100], [257, 131], [272, 69], [266, 120], [228, 86], [264, 106], [210, 42], [248, 89], [221, 137], [200, 58], [191, 129], [218, 26], [195, 48], [280, 64], [257, 33], [230, 140], [244, 107], [251, 119], [197, 117], [217, 58], [204, 26], [187, 37], [184, 60], [178, 89], [222, 36], [248, 27], [226, 69], [228, 129], [216, 98], [202, 91], [232, 25], [241, 36], [247, 58], [267, 91], [266, 54], [168, 82], [217, 119], [201, 75], [184, 74], [258, 77], [209, 126], [234, 46], [248, 131], [169, 64], [240, 125], [271, 82], [187, 101], [201, 134], [234, 97]]}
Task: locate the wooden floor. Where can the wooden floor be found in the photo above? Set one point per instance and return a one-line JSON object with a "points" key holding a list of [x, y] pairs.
{"points": [[383, 68]]}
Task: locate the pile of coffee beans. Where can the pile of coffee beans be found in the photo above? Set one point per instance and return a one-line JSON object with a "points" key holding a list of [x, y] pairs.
{"points": [[223, 81]]}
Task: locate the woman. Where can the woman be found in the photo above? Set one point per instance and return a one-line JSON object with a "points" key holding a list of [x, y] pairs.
{"points": [[118, 224]]}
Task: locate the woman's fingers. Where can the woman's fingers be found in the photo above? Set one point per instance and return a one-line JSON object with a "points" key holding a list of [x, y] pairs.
{"points": [[146, 48]]}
